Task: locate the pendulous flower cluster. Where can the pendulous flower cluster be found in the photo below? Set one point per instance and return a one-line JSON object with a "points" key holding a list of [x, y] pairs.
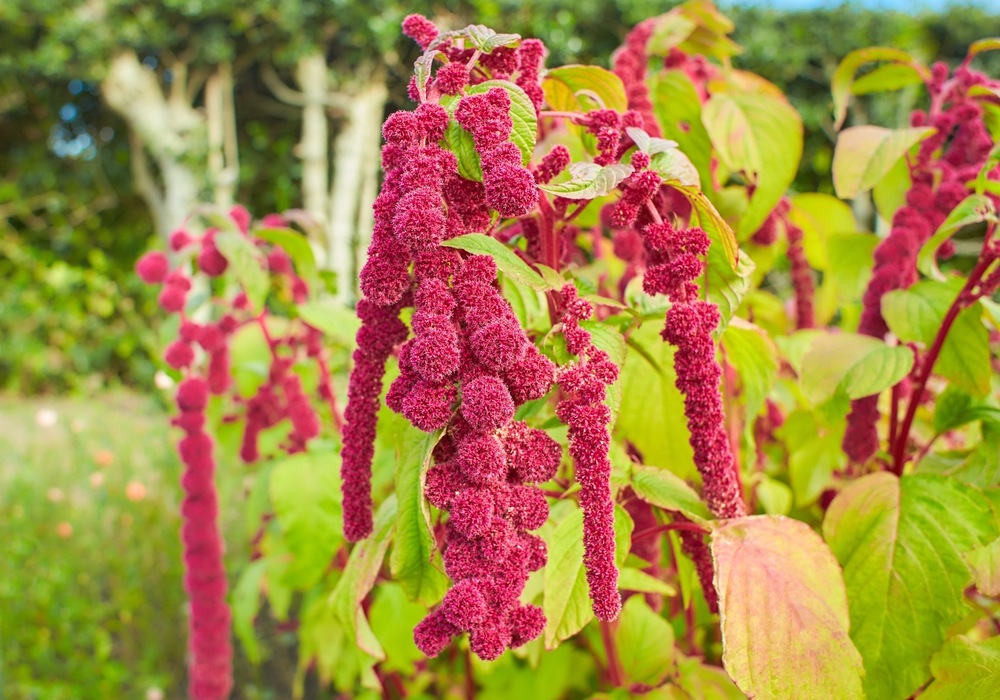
{"points": [[465, 370], [584, 385], [201, 353], [952, 156]]}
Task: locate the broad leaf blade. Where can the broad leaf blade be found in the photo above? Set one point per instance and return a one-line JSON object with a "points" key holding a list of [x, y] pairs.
{"points": [[901, 542], [865, 154], [783, 611], [857, 364]]}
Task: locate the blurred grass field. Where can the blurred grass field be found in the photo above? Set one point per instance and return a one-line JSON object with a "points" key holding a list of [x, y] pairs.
{"points": [[91, 599]]}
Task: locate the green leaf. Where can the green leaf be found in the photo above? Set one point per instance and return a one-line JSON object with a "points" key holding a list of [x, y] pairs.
{"points": [[851, 259], [965, 669], [843, 77], [820, 216], [589, 181], [566, 601], [623, 535], [857, 364], [298, 249], [608, 338], [331, 317], [783, 611], [655, 421], [246, 604], [901, 542], [393, 617], [506, 260], [359, 577], [761, 135], [889, 194], [486, 40], [652, 145], [775, 496], [985, 564], [814, 453], [645, 643], [752, 352], [886, 78], [865, 154], [677, 107], [413, 544], [981, 45], [461, 144], [665, 490], [305, 491], [630, 579], [522, 113], [674, 166], [248, 265], [916, 315], [576, 88], [709, 218], [971, 210], [699, 681]]}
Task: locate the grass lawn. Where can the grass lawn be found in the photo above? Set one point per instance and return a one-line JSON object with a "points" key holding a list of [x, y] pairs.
{"points": [[91, 599]]}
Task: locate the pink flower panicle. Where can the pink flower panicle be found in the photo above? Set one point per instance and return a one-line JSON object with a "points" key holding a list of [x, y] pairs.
{"points": [[210, 672], [630, 64], [946, 160], [585, 385], [674, 264], [485, 462]]}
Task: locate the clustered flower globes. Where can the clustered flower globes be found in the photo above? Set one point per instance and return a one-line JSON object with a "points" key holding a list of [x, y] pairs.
{"points": [[465, 364], [201, 352]]}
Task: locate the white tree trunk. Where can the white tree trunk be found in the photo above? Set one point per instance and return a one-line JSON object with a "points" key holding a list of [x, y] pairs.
{"points": [[356, 151], [314, 147], [169, 128], [222, 153]]}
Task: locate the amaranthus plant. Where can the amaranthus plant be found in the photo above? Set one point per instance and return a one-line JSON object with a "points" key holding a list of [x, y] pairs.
{"points": [[625, 414]]}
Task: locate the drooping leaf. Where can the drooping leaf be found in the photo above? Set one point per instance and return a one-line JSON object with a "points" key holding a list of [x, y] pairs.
{"points": [[917, 314], [645, 643], [655, 421], [247, 264], [755, 357], [843, 77], [573, 88], [677, 107], [566, 602], [709, 218], [865, 154], [413, 543], [886, 78], [506, 260], [589, 180], [359, 577], [674, 166], [486, 40], [901, 542], [630, 579], [305, 491], [971, 210], [857, 364], [663, 489], [333, 318], [783, 611], [761, 135], [246, 603], [981, 45]]}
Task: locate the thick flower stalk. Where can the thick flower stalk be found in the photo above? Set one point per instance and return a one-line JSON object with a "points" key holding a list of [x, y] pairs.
{"points": [[584, 384], [630, 63], [945, 162], [211, 654]]}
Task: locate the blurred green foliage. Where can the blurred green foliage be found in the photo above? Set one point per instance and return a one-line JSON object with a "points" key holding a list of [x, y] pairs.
{"points": [[71, 225]]}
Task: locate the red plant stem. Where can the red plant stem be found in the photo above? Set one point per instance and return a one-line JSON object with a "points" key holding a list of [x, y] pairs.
{"points": [[470, 679], [963, 299], [894, 415], [615, 673], [324, 380], [550, 249], [659, 529]]}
